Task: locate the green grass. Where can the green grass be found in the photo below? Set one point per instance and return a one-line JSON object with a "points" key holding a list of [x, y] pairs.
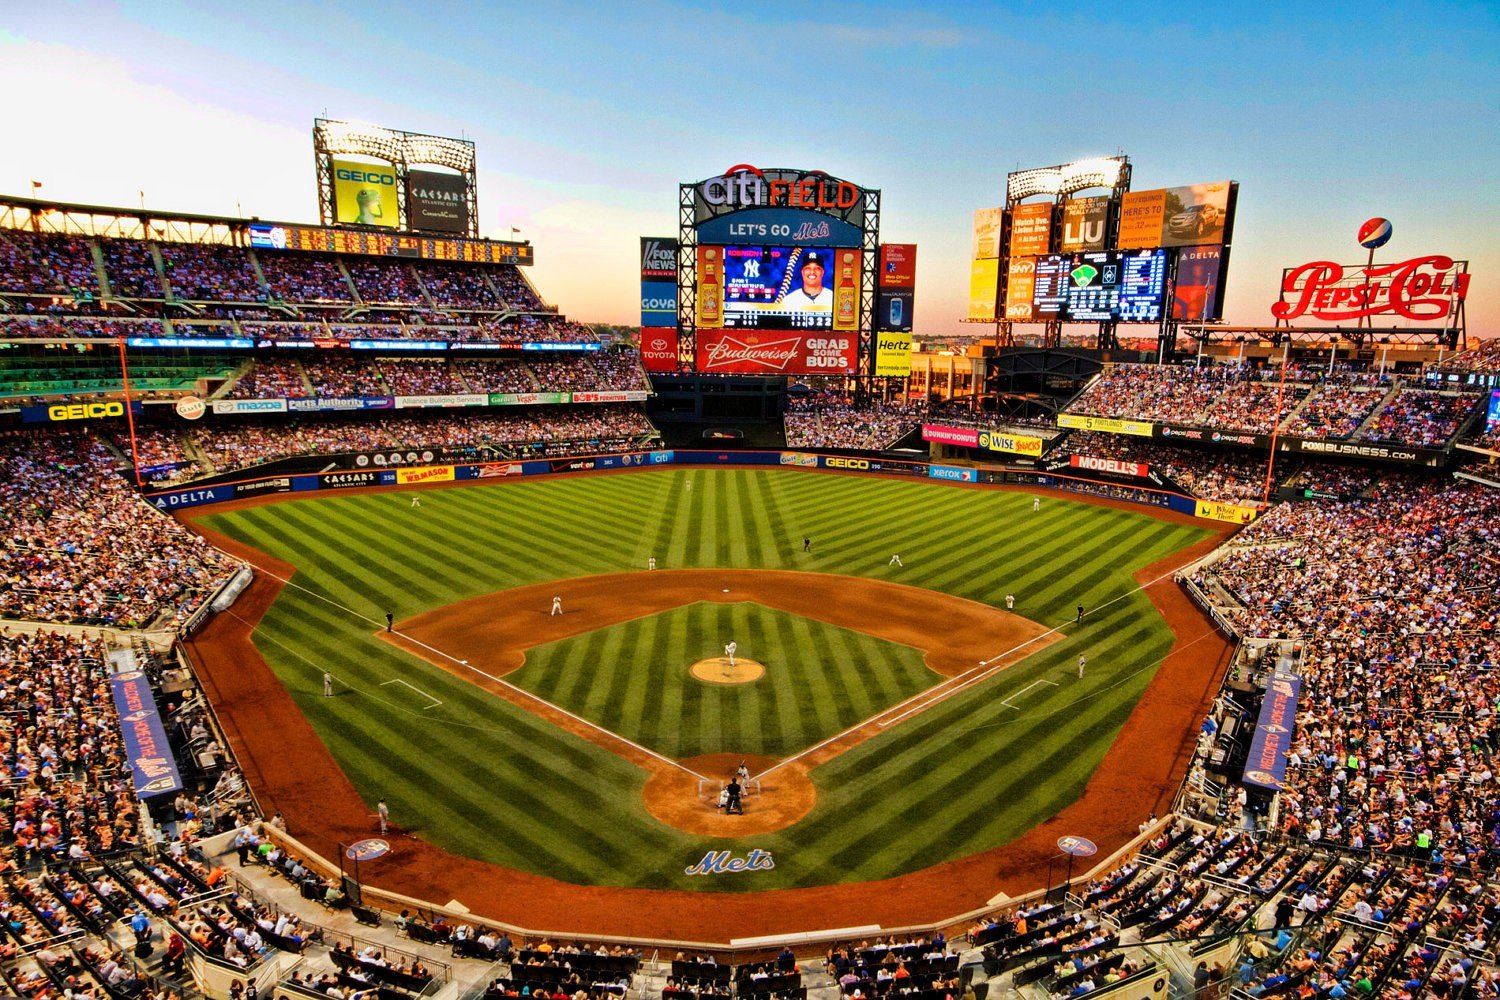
{"points": [[633, 679], [495, 782]]}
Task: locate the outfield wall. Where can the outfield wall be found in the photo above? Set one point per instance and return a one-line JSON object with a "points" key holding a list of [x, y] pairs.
{"points": [[419, 474]]}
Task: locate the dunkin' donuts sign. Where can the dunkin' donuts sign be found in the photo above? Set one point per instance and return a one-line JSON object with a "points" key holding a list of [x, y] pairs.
{"points": [[1421, 289]]}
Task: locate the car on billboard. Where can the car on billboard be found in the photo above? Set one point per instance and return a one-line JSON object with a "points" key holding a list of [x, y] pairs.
{"points": [[1195, 220]]}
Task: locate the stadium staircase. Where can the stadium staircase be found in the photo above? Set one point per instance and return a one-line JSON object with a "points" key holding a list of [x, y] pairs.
{"points": [[1369, 421]]}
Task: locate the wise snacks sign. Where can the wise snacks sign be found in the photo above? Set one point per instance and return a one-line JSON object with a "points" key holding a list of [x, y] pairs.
{"points": [[1420, 289]]}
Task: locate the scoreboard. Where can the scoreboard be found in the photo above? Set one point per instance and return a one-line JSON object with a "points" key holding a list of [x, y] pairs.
{"points": [[1050, 293], [1100, 287], [326, 239]]}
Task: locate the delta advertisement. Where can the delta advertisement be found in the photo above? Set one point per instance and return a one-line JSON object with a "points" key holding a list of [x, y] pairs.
{"points": [[436, 202], [152, 768], [1195, 215], [774, 352], [1198, 296], [364, 194]]}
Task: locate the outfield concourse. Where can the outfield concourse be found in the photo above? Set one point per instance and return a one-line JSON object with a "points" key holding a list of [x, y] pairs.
{"points": [[482, 777]]}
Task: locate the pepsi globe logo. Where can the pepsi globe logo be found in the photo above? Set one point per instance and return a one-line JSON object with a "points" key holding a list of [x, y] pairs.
{"points": [[1375, 233]]}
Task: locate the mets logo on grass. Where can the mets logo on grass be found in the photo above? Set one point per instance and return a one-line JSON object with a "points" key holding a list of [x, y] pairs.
{"points": [[720, 862]]}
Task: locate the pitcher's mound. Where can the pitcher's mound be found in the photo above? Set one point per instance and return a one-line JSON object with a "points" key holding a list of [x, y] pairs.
{"points": [[716, 670]]}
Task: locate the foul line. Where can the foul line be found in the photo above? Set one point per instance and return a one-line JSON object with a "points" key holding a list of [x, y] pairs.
{"points": [[956, 684], [424, 694], [1040, 680], [524, 694]]}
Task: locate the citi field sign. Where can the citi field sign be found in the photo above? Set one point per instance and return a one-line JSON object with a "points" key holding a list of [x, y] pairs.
{"points": [[744, 187]]}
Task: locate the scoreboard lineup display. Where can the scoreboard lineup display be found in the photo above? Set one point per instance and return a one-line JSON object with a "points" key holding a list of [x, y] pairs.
{"points": [[1100, 287], [756, 282], [322, 239]]}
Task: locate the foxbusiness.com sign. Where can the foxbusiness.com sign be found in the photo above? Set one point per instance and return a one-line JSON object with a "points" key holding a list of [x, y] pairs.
{"points": [[744, 187]]}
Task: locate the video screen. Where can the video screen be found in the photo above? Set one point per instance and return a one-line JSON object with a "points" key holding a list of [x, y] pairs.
{"points": [[1143, 285], [778, 288], [1050, 292], [1492, 416], [1093, 287]]}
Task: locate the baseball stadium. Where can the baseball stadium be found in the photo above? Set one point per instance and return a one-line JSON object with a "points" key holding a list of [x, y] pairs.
{"points": [[370, 628]]}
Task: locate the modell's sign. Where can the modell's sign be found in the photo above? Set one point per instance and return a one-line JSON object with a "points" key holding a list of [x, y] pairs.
{"points": [[1423, 288], [748, 353], [1111, 465], [745, 187]]}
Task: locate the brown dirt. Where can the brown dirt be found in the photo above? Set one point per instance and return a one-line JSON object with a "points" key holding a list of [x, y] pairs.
{"points": [[787, 795], [718, 671], [293, 771]]}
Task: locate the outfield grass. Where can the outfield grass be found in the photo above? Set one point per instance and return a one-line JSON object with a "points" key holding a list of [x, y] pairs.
{"points": [[482, 777], [633, 679]]}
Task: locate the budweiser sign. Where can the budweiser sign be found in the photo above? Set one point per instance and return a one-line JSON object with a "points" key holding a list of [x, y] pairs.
{"points": [[1423, 288], [795, 354]]}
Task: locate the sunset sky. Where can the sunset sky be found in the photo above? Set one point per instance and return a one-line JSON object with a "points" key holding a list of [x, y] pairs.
{"points": [[587, 116]]}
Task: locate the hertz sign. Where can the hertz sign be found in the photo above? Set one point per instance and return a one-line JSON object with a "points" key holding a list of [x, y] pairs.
{"points": [[59, 412]]}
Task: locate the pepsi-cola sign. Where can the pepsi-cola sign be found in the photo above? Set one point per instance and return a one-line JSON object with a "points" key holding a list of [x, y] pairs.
{"points": [[1420, 289]]}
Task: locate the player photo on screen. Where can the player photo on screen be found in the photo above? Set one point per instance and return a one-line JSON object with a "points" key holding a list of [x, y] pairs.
{"points": [[778, 288]]}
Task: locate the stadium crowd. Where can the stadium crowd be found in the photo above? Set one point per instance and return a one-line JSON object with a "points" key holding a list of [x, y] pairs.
{"points": [[1366, 406], [1394, 597], [270, 377], [81, 546], [1209, 474], [533, 431], [827, 416]]}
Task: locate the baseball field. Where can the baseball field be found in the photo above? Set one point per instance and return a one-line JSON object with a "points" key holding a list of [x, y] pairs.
{"points": [[900, 717]]}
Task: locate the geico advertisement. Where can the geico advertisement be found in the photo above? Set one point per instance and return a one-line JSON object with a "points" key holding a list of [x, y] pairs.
{"points": [[364, 194], [76, 411]]}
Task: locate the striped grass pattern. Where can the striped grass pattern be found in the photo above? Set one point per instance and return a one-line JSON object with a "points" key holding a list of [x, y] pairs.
{"points": [[484, 778], [633, 679]]}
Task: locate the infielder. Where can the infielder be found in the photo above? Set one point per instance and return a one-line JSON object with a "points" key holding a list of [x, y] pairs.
{"points": [[896, 560], [730, 650], [557, 605], [1010, 602]]}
